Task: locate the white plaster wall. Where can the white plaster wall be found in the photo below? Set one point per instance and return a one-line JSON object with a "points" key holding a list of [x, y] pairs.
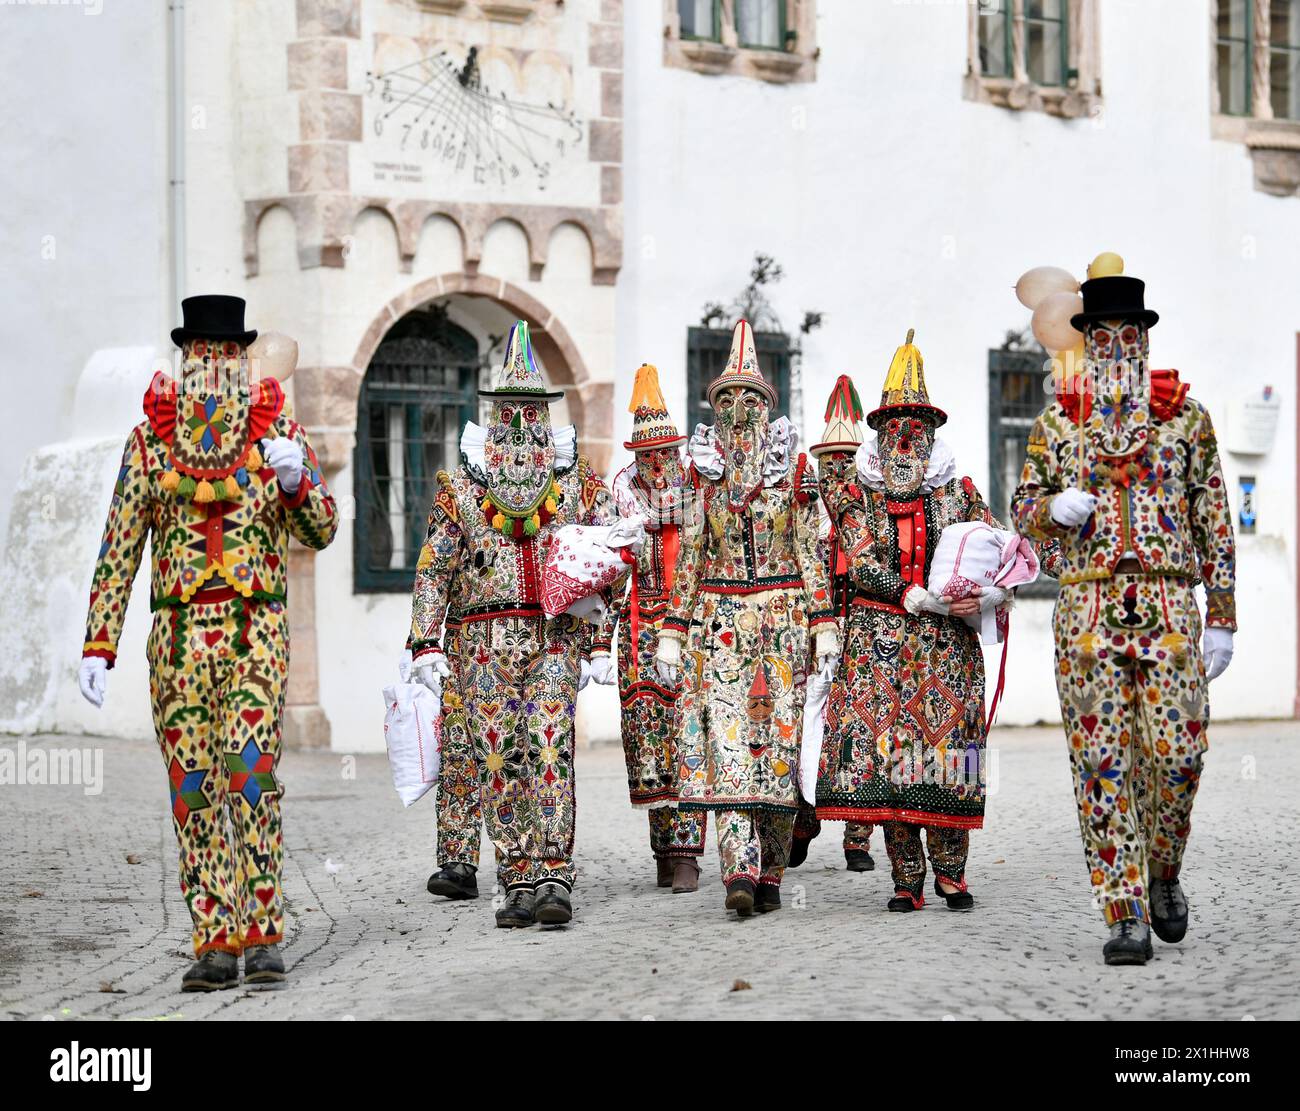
{"points": [[892, 202]]}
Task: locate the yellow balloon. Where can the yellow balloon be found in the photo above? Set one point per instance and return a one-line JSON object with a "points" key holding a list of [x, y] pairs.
{"points": [[1106, 265]]}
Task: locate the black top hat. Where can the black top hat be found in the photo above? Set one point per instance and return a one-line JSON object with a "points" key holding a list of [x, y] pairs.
{"points": [[1117, 297], [213, 316]]}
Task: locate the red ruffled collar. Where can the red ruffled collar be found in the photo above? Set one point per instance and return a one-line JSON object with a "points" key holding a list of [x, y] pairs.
{"points": [[1167, 397], [160, 407]]}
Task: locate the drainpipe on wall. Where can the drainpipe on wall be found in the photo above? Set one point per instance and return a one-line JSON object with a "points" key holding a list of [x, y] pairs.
{"points": [[176, 155]]}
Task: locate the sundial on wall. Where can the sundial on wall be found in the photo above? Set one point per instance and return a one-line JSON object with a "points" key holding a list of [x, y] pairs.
{"points": [[440, 113]]}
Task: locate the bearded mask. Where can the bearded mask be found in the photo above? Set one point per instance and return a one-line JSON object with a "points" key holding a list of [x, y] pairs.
{"points": [[214, 400], [904, 444], [663, 480], [742, 421], [1117, 354], [519, 455], [837, 475]]}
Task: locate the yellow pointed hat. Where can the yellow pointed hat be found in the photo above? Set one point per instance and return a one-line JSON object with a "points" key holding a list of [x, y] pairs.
{"points": [[843, 411], [652, 427], [742, 367], [905, 390]]}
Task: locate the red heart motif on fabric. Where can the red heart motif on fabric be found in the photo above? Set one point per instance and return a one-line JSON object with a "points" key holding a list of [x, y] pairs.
{"points": [[265, 895], [272, 561], [728, 639], [1089, 722], [164, 565], [212, 637], [251, 716], [1107, 854], [1194, 728], [171, 736]]}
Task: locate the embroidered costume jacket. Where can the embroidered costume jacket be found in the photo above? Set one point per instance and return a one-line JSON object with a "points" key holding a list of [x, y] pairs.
{"points": [[201, 551], [1169, 507]]}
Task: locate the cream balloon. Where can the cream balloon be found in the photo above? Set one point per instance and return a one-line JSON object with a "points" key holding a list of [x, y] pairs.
{"points": [[1068, 363], [1051, 321], [1106, 265], [273, 355], [1037, 283]]}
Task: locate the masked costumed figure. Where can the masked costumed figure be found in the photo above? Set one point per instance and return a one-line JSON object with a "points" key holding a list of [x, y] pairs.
{"points": [[1126, 475], [837, 480], [653, 487], [905, 730], [219, 479], [750, 609], [512, 672]]}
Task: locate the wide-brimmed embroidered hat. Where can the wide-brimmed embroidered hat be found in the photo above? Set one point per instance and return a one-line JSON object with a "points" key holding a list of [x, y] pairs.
{"points": [[652, 427], [1115, 297], [905, 390], [519, 375], [214, 316], [843, 411], [742, 367]]}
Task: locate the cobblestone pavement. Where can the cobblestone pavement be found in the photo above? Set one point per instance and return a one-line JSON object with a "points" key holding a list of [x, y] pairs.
{"points": [[92, 923]]}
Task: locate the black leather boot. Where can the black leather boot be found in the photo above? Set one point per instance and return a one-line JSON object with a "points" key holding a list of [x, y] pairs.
{"points": [[552, 906], [1168, 910], [263, 965], [740, 896], [767, 898], [859, 860], [455, 881], [214, 971], [1130, 943], [517, 911]]}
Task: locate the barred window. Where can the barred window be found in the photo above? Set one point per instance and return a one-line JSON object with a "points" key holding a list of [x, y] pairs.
{"points": [[706, 355]]}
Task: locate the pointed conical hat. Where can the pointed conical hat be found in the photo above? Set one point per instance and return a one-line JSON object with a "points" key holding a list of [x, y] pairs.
{"points": [[843, 411], [742, 367], [652, 427], [519, 375], [905, 390]]}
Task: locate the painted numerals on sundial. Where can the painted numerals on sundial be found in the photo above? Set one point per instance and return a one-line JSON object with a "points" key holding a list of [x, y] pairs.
{"points": [[460, 125]]}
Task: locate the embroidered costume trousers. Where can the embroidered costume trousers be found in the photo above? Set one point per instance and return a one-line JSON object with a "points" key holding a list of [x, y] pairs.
{"points": [[460, 815], [518, 678], [754, 844], [948, 850], [677, 833], [216, 682], [1133, 700]]}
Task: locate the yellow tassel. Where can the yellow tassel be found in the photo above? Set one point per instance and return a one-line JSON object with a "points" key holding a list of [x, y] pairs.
{"points": [[203, 493], [487, 504], [169, 481], [498, 520], [234, 492], [556, 492], [537, 520], [645, 390], [254, 459], [550, 506]]}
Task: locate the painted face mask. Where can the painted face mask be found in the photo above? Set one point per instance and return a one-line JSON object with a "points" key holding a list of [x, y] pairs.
{"points": [[742, 421], [905, 443], [520, 456], [837, 475], [1117, 356], [214, 401], [663, 479]]}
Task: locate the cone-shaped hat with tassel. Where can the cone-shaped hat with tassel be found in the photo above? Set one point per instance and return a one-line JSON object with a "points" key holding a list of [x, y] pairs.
{"points": [[843, 411], [519, 376], [905, 390], [742, 367], [652, 427]]}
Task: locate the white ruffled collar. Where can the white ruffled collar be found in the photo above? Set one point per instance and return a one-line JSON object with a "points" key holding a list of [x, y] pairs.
{"points": [[474, 439], [781, 449], [941, 469]]}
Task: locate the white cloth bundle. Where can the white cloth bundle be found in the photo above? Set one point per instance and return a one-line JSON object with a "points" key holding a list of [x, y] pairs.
{"points": [[814, 728], [583, 560], [972, 556], [413, 734]]}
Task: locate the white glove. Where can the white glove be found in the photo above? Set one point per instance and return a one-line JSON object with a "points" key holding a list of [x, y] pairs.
{"points": [[287, 460], [584, 675], [993, 596], [827, 651], [917, 599], [1072, 507], [431, 670], [404, 666], [668, 660], [93, 680], [1217, 647], [603, 671]]}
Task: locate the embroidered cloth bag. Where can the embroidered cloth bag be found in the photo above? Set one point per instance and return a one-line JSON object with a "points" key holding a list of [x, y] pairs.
{"points": [[413, 734], [585, 559], [972, 555]]}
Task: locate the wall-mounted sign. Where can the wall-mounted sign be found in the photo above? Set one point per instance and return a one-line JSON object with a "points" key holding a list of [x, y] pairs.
{"points": [[1252, 422], [1246, 503]]}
